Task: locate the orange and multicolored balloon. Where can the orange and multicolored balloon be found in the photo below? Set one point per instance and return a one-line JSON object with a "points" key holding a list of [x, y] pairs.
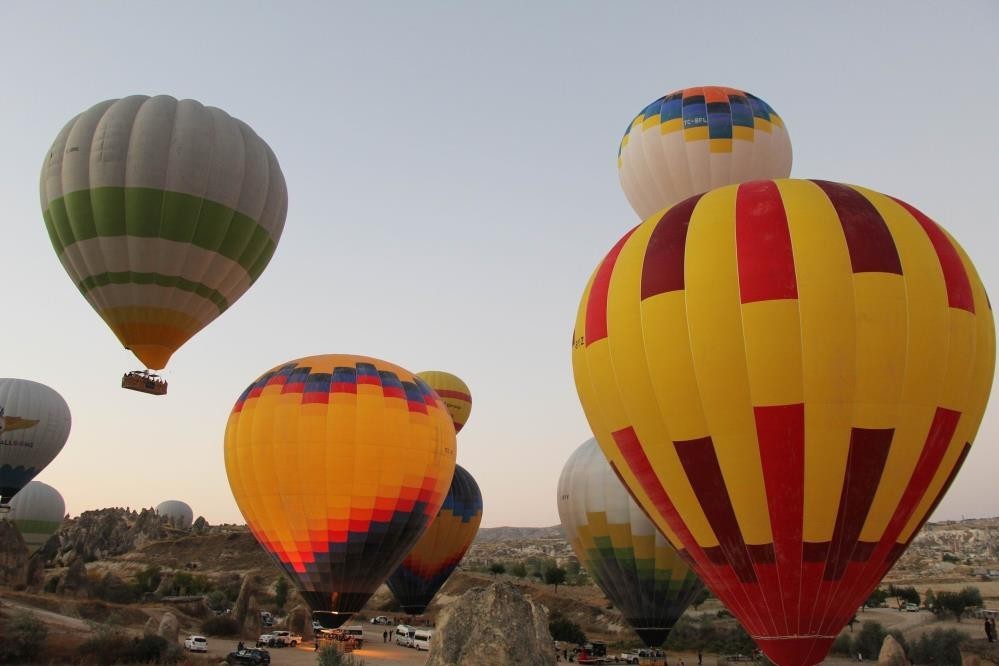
{"points": [[787, 375], [453, 392], [163, 213], [439, 551], [632, 562], [697, 139], [339, 463]]}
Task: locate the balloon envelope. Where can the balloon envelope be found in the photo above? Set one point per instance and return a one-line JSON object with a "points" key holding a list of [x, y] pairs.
{"points": [[697, 139], [163, 213], [632, 562], [38, 510], [439, 551], [339, 463], [36, 424], [454, 392], [178, 513], [788, 374]]}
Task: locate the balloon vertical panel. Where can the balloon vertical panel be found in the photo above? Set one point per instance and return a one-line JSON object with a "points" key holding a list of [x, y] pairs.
{"points": [[339, 463], [439, 551], [788, 375]]}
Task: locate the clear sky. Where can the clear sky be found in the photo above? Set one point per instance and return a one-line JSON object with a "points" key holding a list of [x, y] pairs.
{"points": [[452, 179]]}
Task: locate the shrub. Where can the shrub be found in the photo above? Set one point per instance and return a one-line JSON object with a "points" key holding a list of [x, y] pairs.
{"points": [[869, 639], [331, 657], [518, 569], [940, 646], [711, 635], [147, 580], [564, 629], [497, 568], [113, 589], [23, 637], [843, 645], [220, 626], [111, 646]]}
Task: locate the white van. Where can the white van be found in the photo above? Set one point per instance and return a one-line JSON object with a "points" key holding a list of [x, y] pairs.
{"points": [[356, 632], [421, 639], [404, 635]]}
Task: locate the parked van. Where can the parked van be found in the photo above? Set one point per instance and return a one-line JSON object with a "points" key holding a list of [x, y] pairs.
{"points": [[404, 635], [421, 639], [356, 632]]}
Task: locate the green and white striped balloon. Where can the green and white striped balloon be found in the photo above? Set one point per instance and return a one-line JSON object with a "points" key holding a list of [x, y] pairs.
{"points": [[37, 510], [163, 212]]}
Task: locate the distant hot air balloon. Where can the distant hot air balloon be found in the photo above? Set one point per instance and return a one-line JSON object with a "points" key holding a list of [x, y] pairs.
{"points": [[629, 559], [36, 424], [453, 392], [38, 510], [788, 375], [178, 513], [339, 463], [438, 552], [163, 212], [697, 139]]}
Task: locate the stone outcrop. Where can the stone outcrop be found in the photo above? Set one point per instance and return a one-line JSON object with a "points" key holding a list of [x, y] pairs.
{"points": [[13, 556], [300, 621], [251, 622], [169, 627], [496, 625], [892, 653], [246, 590], [96, 535], [74, 581]]}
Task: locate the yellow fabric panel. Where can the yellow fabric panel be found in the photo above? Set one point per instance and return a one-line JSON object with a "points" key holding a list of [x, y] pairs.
{"points": [[826, 316], [651, 121], [620, 535], [720, 146], [674, 125], [958, 384], [657, 382], [696, 133], [740, 133], [644, 545], [763, 125], [714, 316], [935, 486], [881, 343], [925, 348], [772, 333]]}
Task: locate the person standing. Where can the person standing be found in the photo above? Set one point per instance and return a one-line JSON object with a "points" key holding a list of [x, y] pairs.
{"points": [[700, 657]]}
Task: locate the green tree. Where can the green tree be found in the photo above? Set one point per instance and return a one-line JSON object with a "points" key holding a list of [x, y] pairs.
{"points": [[23, 638], [957, 602], [564, 629], [869, 639], [147, 580], [497, 568], [877, 598], [555, 576], [518, 569], [572, 566], [940, 646], [903, 595], [281, 593]]}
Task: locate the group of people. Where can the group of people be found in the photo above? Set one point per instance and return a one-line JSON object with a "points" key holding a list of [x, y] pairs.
{"points": [[990, 629]]}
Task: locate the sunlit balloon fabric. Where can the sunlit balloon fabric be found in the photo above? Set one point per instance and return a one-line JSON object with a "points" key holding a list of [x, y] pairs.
{"points": [[787, 375], [438, 552], [34, 426], [38, 510], [635, 566], [163, 212], [453, 392], [339, 463], [697, 139]]}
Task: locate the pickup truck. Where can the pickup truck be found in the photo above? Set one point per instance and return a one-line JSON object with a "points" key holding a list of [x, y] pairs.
{"points": [[279, 639]]}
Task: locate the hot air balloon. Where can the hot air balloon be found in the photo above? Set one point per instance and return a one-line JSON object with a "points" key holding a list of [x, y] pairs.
{"points": [[788, 375], [163, 212], [438, 552], [36, 425], [632, 562], [697, 139], [453, 392], [178, 513], [38, 510], [339, 463]]}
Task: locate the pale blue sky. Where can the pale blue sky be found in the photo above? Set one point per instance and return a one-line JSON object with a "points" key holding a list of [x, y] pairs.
{"points": [[452, 179]]}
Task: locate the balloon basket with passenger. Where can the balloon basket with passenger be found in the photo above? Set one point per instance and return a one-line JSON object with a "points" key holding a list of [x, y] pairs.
{"points": [[144, 381]]}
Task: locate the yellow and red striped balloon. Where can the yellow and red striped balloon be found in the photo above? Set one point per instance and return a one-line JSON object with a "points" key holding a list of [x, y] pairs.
{"points": [[453, 392], [339, 463], [787, 375]]}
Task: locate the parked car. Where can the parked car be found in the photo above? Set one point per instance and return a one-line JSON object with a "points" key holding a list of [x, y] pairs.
{"points": [[284, 639], [196, 644], [381, 619], [248, 656], [912, 608], [629, 657], [265, 640]]}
